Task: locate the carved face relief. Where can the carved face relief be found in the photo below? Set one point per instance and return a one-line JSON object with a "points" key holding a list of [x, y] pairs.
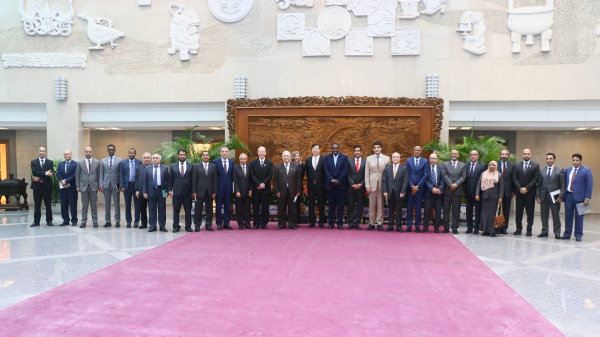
{"points": [[230, 6], [230, 10]]}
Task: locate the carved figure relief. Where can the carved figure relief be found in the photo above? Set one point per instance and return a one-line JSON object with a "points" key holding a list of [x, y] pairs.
{"points": [[184, 32], [358, 43], [45, 21], [290, 27], [39, 60], [470, 21], [334, 22], [284, 4], [364, 7], [380, 23], [315, 44], [230, 10], [530, 21], [407, 42], [100, 31], [410, 9], [433, 6]]}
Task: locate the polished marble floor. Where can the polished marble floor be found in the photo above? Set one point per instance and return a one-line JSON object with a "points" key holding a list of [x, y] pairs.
{"points": [[559, 278]]}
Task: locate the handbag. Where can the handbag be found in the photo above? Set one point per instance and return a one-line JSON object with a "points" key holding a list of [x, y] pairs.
{"points": [[499, 220]]}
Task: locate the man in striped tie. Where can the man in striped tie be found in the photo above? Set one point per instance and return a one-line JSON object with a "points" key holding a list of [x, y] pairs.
{"points": [[580, 183], [356, 188]]}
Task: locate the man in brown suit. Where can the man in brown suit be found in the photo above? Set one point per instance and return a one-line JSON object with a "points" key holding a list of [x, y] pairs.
{"points": [[287, 185], [374, 183]]}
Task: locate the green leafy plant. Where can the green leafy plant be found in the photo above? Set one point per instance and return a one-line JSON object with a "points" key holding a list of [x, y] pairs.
{"points": [[234, 143], [188, 142], [489, 148]]}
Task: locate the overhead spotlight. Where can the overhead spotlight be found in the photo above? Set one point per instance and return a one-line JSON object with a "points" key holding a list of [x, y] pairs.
{"points": [[466, 128], [60, 88], [582, 129]]}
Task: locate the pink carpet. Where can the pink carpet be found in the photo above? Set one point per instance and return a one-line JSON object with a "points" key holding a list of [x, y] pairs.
{"points": [[309, 282]]}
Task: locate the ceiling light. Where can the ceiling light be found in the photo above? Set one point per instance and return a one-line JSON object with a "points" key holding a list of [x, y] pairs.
{"points": [[114, 128], [595, 128], [100, 128], [216, 128], [452, 128], [466, 128], [582, 129], [3, 128]]}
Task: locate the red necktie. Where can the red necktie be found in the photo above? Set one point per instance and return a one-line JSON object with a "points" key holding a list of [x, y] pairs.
{"points": [[573, 179], [89, 166], [357, 165]]}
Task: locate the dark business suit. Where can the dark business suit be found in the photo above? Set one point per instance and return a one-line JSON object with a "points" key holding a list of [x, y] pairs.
{"points": [[42, 189], [550, 183], [127, 181], [68, 196], [356, 198], [336, 169], [140, 171], [204, 185], [418, 176], [156, 200], [288, 184], [579, 188], [394, 186], [242, 184], [453, 173], [509, 189], [431, 200], [224, 190], [315, 183], [181, 186], [473, 174], [525, 178], [261, 174]]}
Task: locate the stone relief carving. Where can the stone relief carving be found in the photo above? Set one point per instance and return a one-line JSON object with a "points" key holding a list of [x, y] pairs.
{"points": [[290, 27], [284, 4], [100, 31], [380, 23], [406, 42], [473, 22], [530, 21], [358, 43], [410, 9], [230, 10], [38, 60], [334, 22], [364, 7], [315, 44], [433, 6], [336, 3], [184, 32], [45, 21]]}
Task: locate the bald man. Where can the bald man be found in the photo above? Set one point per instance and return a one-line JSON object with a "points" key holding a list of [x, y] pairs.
{"points": [[67, 190], [525, 179], [42, 170]]}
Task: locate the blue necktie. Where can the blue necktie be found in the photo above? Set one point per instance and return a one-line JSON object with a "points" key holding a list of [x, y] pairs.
{"points": [[131, 169], [548, 175], [155, 178], [433, 177]]}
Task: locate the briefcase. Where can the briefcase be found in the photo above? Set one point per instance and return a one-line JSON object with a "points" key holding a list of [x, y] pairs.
{"points": [[499, 220]]}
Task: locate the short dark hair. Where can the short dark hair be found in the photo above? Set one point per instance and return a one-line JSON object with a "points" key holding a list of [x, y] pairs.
{"points": [[578, 156], [134, 150], [109, 145], [335, 144], [377, 143], [201, 154], [315, 145], [504, 150], [551, 154], [181, 150], [356, 146]]}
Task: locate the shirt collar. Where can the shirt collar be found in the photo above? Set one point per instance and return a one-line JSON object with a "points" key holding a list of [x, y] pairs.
{"points": [[336, 155], [526, 162], [551, 167], [40, 158]]}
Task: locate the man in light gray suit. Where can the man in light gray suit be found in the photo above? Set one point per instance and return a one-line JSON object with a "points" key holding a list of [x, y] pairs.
{"points": [[109, 185], [87, 178], [552, 178], [454, 175]]}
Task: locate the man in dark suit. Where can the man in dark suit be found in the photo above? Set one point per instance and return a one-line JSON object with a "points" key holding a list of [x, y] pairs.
{"points": [[156, 185], [225, 188], [395, 183], [525, 179], [336, 174], [434, 195], [42, 170], [356, 188], [242, 187], [474, 170], [261, 172], [418, 174], [552, 179], [181, 190], [287, 185], [454, 175], [127, 180], [140, 172], [204, 189], [580, 184], [66, 173], [315, 184], [506, 169]]}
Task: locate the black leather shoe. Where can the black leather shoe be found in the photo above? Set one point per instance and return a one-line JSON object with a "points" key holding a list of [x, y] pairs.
{"points": [[49, 224], [330, 226], [417, 230], [108, 224], [280, 227], [143, 227], [118, 224], [129, 225], [293, 227], [240, 226], [248, 226], [408, 229], [227, 227], [341, 226], [163, 230], [425, 229], [190, 230], [469, 231], [357, 227], [256, 226], [208, 228], [197, 229], [311, 225], [454, 231], [370, 228], [517, 232], [528, 234], [82, 225], [389, 228], [475, 231], [557, 237], [63, 224], [493, 234], [565, 238], [504, 231], [485, 234], [264, 227], [151, 230], [578, 239], [399, 229], [380, 228], [219, 227], [175, 230], [322, 225], [436, 230], [543, 235], [136, 225], [446, 230], [350, 226], [34, 224], [95, 225], [74, 224]]}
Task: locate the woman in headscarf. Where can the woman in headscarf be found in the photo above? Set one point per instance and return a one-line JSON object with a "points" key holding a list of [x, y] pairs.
{"points": [[490, 190], [297, 158]]}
